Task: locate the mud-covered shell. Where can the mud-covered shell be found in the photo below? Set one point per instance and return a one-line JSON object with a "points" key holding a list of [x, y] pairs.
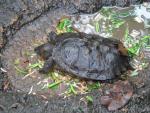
{"points": [[90, 56]]}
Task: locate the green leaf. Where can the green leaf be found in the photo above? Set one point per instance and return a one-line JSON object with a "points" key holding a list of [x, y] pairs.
{"points": [[145, 41], [61, 26], [135, 45], [134, 73], [54, 76], [65, 24], [135, 49], [106, 12], [89, 99], [69, 29], [92, 86]]}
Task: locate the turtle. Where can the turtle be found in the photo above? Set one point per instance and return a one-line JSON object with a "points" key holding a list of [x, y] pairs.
{"points": [[86, 56]]}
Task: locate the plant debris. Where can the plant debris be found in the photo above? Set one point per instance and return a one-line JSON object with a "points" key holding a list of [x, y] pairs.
{"points": [[64, 25], [89, 99]]}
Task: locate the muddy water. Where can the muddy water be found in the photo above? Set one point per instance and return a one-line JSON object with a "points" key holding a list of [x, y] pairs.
{"points": [[28, 37]]}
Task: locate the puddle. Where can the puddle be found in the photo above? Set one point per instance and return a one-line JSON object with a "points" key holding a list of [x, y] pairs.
{"points": [[135, 18], [19, 52]]}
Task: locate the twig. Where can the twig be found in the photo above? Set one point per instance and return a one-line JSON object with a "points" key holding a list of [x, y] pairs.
{"points": [[31, 89], [3, 70], [29, 74]]}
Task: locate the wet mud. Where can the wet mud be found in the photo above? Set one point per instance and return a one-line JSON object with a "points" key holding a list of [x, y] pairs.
{"points": [[25, 23]]}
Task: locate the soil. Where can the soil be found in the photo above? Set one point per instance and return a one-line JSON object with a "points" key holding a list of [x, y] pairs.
{"points": [[28, 22], [22, 103]]}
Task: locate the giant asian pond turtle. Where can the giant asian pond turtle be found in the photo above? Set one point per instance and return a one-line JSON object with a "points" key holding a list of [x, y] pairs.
{"points": [[83, 55]]}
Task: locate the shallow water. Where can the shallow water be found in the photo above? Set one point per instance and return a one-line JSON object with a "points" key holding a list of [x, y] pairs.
{"points": [[34, 34], [134, 17]]}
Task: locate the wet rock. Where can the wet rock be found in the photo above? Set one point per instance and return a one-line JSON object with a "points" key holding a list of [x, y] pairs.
{"points": [[117, 95]]}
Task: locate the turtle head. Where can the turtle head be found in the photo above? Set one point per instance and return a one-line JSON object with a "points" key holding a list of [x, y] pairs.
{"points": [[44, 51]]}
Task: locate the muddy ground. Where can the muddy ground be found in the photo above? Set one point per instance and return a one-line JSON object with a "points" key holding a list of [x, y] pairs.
{"points": [[12, 102], [25, 19]]}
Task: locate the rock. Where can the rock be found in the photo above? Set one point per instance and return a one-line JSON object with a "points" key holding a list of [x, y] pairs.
{"points": [[117, 95]]}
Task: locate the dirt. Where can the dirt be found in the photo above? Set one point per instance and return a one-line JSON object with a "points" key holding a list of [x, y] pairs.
{"points": [[23, 103], [28, 23]]}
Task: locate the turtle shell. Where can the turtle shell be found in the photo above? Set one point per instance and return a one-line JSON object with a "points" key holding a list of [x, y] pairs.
{"points": [[90, 56]]}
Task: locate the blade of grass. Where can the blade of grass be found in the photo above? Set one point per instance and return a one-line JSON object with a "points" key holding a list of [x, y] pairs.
{"points": [[72, 89], [51, 85], [24, 72], [97, 27], [117, 22], [35, 65], [93, 86]]}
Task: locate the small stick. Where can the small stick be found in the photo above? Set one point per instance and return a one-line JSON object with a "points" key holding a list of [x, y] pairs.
{"points": [[29, 74]]}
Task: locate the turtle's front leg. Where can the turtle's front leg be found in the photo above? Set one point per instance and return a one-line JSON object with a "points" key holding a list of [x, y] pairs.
{"points": [[48, 65]]}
